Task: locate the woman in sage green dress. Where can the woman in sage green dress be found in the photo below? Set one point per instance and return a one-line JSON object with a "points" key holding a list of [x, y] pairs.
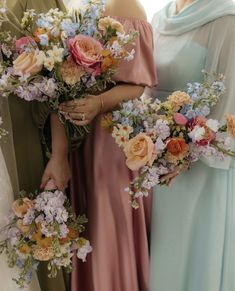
{"points": [[26, 136], [193, 223]]}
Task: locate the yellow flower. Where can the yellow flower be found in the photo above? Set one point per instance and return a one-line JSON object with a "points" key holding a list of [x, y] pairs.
{"points": [[25, 249], [108, 22], [178, 99], [23, 228], [231, 124], [107, 122]]}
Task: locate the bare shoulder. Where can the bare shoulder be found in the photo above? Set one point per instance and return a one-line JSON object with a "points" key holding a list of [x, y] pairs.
{"points": [[126, 8]]}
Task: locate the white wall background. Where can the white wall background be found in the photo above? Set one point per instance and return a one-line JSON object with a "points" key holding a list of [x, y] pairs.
{"points": [[152, 6]]}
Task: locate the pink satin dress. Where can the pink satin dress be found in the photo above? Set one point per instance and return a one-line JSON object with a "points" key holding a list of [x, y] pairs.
{"points": [[119, 234]]}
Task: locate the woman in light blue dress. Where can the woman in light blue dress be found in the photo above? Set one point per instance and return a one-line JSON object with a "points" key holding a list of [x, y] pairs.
{"points": [[193, 226]]}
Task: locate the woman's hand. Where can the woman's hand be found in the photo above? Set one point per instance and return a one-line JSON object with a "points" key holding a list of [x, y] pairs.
{"points": [[82, 111], [168, 179], [58, 170]]}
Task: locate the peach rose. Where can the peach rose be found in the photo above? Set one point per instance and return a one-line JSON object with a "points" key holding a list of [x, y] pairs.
{"points": [[178, 99], [71, 72], [27, 63], [108, 22], [139, 152], [87, 52], [231, 124], [21, 206], [43, 254], [177, 147]]}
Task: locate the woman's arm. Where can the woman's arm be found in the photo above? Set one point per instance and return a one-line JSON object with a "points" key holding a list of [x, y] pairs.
{"points": [[83, 111], [58, 168]]}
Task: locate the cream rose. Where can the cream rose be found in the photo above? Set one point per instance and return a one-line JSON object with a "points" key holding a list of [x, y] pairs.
{"points": [[27, 63], [21, 206], [139, 152], [107, 22]]}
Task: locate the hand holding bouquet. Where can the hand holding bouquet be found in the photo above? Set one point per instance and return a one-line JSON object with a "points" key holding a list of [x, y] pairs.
{"points": [[43, 228], [63, 56], [162, 139]]}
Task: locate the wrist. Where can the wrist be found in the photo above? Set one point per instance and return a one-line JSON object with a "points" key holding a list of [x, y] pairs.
{"points": [[59, 154]]}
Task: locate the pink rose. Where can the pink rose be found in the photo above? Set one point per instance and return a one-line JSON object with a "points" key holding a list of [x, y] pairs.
{"points": [[21, 206], [86, 52], [139, 152], [22, 42], [180, 119]]}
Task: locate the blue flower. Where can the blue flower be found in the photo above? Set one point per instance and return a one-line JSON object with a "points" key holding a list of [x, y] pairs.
{"points": [[28, 276], [69, 28], [42, 22], [20, 263], [218, 87], [44, 40]]}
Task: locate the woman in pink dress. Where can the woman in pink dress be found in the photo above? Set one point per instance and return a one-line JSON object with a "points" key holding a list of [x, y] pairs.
{"points": [[118, 234]]}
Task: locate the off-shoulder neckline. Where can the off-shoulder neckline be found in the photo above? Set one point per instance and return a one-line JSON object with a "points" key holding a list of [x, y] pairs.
{"points": [[130, 18]]}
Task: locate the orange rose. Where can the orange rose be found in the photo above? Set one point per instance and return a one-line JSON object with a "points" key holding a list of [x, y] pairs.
{"points": [[177, 147], [139, 152], [27, 63], [21, 206]]}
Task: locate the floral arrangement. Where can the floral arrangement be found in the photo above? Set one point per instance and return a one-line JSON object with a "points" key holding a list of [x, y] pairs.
{"points": [[162, 139], [43, 228], [62, 55]]}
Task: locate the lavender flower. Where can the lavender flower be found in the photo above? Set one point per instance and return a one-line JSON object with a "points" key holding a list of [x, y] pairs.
{"points": [[162, 129]]}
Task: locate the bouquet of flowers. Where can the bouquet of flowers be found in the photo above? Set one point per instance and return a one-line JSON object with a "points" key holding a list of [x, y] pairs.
{"points": [[62, 56], [162, 139], [43, 228]]}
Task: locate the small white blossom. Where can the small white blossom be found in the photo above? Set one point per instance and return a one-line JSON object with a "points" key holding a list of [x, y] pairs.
{"points": [[213, 124], [197, 133]]}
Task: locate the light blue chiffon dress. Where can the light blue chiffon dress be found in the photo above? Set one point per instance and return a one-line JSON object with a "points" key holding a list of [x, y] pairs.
{"points": [[193, 223]]}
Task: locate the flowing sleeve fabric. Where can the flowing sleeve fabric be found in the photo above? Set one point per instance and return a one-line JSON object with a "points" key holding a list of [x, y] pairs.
{"points": [[221, 59], [141, 70]]}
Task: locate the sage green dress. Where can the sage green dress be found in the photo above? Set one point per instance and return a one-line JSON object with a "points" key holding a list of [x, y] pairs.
{"points": [[193, 223], [26, 135], [28, 148]]}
